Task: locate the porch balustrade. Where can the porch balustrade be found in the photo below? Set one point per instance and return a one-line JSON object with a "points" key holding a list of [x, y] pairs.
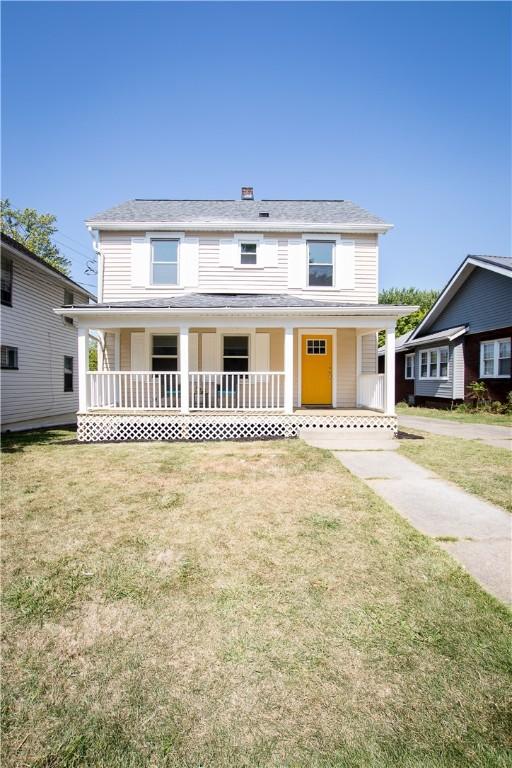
{"points": [[370, 391]]}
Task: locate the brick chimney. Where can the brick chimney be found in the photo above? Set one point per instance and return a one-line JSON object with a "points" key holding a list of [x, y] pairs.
{"points": [[247, 193]]}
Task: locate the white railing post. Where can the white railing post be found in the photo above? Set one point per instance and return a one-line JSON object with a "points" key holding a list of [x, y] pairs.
{"points": [[183, 358], [83, 367], [389, 394], [288, 370]]}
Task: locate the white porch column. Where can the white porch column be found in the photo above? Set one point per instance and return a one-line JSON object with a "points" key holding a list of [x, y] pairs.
{"points": [[83, 367], [390, 372], [288, 370], [184, 367]]}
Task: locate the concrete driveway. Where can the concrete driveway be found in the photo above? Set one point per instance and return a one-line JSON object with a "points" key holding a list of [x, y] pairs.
{"points": [[492, 434]]}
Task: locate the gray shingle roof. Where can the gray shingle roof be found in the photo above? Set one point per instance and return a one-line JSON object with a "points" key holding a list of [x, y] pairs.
{"points": [[300, 211], [224, 301], [400, 342], [447, 335], [500, 261]]}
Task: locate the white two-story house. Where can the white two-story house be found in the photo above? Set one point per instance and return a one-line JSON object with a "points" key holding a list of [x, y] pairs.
{"points": [[235, 318]]}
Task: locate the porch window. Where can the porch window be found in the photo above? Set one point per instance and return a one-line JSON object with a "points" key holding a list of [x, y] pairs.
{"points": [[248, 254], [409, 366], [164, 262], [68, 373], [164, 355], [6, 282], [9, 358], [434, 363], [320, 264], [495, 359], [235, 356]]}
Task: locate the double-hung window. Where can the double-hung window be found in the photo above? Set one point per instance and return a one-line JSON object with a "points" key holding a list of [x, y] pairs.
{"points": [[164, 355], [164, 262], [320, 264], [495, 359], [248, 254], [9, 358], [433, 363], [409, 366], [235, 354], [6, 282], [68, 373]]}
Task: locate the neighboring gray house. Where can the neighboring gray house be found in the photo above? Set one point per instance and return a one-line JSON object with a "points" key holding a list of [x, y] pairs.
{"points": [[38, 348], [466, 336]]}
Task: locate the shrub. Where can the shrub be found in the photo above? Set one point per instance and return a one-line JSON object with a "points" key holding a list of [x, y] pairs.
{"points": [[478, 393]]}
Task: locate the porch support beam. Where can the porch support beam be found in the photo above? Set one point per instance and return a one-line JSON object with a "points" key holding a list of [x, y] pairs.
{"points": [[184, 368], [390, 372], [83, 367], [288, 369]]}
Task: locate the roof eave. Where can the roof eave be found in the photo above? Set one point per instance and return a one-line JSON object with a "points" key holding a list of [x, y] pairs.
{"points": [[248, 226]]}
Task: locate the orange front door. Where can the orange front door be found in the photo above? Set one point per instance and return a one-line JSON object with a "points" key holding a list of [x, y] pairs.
{"points": [[316, 369]]}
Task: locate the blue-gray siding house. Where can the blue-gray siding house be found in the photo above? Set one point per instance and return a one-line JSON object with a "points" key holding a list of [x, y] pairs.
{"points": [[466, 336]]}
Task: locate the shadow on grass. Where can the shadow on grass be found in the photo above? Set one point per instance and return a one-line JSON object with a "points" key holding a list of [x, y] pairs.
{"points": [[16, 442], [408, 436]]}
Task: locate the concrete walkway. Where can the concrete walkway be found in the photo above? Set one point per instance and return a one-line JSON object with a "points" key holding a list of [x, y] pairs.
{"points": [[492, 434], [482, 532]]}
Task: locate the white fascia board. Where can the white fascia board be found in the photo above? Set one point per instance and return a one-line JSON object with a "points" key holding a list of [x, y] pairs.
{"points": [[239, 226], [490, 266]]}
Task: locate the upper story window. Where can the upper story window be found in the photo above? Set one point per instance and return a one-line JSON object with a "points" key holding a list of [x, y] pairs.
{"points": [[248, 254], [434, 363], [6, 282], [320, 264], [495, 359], [164, 353], [164, 262], [409, 366], [68, 300], [9, 358]]}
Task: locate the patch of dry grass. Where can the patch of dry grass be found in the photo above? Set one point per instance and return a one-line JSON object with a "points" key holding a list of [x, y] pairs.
{"points": [[478, 468], [234, 605], [466, 417]]}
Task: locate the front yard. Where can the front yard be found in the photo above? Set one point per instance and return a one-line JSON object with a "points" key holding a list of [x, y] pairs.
{"points": [[465, 417], [235, 605]]}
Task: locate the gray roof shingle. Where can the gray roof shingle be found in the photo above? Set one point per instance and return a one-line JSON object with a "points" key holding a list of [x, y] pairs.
{"points": [[300, 211], [224, 301], [500, 261]]}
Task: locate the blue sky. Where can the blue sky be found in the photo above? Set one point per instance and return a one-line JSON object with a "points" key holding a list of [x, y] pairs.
{"points": [[402, 107]]}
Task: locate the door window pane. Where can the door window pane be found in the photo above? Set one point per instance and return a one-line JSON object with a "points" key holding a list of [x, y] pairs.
{"points": [[316, 347]]}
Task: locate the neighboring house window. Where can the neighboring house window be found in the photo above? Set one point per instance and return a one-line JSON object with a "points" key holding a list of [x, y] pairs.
{"points": [[68, 373], [68, 300], [164, 262], [248, 254], [320, 264], [495, 359], [434, 363], [409, 366], [164, 355], [235, 354], [7, 282], [9, 358]]}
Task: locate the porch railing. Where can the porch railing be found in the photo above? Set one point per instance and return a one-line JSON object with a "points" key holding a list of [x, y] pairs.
{"points": [[208, 390], [254, 391], [370, 390]]}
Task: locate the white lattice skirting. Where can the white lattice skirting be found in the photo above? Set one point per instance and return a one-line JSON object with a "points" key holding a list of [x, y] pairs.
{"points": [[121, 427]]}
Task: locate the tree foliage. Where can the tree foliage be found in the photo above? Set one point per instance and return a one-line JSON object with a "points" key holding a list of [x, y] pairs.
{"points": [[93, 355], [423, 298], [33, 230]]}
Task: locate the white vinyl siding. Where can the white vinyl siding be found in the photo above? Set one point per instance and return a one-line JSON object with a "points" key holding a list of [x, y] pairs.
{"points": [[369, 360], [216, 270], [35, 392]]}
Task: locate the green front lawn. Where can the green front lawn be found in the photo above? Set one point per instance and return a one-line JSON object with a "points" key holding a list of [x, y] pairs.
{"points": [[478, 468], [235, 605], [502, 419]]}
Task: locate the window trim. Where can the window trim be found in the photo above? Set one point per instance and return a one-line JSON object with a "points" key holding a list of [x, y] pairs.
{"points": [[11, 367], [176, 240], [68, 371], [407, 357], [6, 260], [428, 352], [323, 241], [496, 358]]}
